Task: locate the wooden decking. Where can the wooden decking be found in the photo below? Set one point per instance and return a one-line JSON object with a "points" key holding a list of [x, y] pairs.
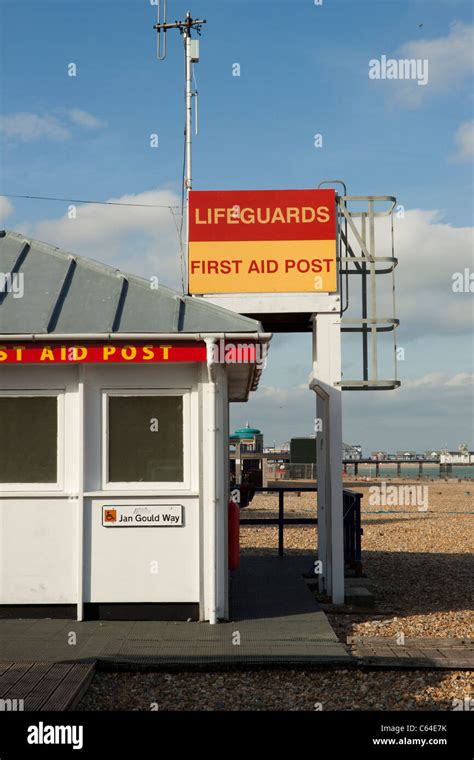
{"points": [[385, 652], [43, 685]]}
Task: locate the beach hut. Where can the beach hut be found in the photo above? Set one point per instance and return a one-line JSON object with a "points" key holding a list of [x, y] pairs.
{"points": [[114, 402]]}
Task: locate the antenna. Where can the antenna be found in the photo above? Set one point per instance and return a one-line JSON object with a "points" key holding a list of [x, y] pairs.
{"points": [[191, 55], [160, 22]]}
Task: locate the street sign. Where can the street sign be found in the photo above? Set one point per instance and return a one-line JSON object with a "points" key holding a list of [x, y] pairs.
{"points": [[163, 516]]}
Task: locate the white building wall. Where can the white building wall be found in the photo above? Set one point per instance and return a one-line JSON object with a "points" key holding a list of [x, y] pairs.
{"points": [[38, 536], [40, 544], [37, 551]]}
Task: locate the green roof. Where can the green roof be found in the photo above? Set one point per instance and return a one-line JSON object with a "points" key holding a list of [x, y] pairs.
{"points": [[68, 294], [245, 432]]}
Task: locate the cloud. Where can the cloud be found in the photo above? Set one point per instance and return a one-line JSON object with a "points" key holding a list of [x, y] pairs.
{"points": [[464, 140], [84, 119], [6, 208], [28, 127], [442, 380], [450, 62], [138, 240], [426, 412], [31, 126], [430, 252]]}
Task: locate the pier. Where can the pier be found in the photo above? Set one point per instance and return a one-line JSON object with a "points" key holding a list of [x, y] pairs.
{"points": [[264, 471]]}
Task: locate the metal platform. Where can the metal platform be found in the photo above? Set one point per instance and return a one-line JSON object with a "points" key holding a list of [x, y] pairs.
{"points": [[274, 621]]}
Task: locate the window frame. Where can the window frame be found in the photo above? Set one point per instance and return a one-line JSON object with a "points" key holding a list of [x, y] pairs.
{"points": [[148, 485], [58, 485]]}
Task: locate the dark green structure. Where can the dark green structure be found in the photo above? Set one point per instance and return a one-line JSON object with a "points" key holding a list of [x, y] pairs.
{"points": [[303, 450]]}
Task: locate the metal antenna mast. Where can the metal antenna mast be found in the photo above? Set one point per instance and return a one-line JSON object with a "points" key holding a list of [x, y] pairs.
{"points": [[191, 55]]}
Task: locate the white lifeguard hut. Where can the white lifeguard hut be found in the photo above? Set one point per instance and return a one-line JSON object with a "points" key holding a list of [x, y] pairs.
{"points": [[114, 476]]}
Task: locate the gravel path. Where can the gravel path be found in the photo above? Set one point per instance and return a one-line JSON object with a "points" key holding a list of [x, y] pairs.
{"points": [[419, 565], [278, 690]]}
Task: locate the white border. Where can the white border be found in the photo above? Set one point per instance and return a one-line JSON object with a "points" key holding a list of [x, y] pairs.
{"points": [[137, 486], [28, 487]]}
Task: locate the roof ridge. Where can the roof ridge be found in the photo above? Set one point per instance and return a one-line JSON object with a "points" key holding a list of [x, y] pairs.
{"points": [[86, 261]]}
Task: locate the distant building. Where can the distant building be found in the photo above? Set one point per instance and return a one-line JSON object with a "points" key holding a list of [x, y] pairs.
{"points": [[351, 451], [379, 455], [408, 455], [461, 456], [246, 440], [303, 450], [249, 440], [432, 455]]}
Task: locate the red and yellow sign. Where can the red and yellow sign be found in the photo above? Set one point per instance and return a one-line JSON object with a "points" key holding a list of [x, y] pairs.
{"points": [[261, 241], [103, 353], [224, 352]]}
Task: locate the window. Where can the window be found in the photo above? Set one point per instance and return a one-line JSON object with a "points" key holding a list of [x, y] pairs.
{"points": [[29, 439], [145, 438]]}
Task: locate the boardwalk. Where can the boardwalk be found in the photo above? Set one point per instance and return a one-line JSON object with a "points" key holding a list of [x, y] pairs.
{"points": [[33, 686], [384, 652]]}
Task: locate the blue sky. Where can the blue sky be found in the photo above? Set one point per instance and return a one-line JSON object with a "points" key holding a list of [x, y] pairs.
{"points": [[303, 71]]}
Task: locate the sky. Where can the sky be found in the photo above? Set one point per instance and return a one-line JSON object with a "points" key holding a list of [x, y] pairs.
{"points": [[304, 70]]}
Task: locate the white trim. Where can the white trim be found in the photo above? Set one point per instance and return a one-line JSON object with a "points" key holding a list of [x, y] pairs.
{"points": [[326, 373], [265, 303], [80, 490], [264, 337], [143, 494], [140, 486], [209, 439], [42, 488]]}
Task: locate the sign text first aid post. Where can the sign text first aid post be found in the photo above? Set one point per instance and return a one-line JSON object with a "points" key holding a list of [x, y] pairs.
{"points": [[102, 353], [260, 241]]}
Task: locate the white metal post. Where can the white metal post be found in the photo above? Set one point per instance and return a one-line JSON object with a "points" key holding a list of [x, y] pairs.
{"points": [[211, 489], [80, 491], [185, 28], [188, 163], [326, 373], [188, 98]]}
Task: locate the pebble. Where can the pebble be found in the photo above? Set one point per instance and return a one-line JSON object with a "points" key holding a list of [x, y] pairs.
{"points": [[282, 689]]}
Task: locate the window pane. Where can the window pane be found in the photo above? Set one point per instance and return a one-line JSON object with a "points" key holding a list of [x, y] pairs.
{"points": [[145, 438], [28, 439]]}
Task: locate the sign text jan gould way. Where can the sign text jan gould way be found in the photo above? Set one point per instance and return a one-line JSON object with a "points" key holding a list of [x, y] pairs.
{"points": [[261, 241]]}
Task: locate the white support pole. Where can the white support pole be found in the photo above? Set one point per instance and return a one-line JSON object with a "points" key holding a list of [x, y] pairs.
{"points": [[188, 99], [325, 374], [188, 179], [211, 489], [80, 492]]}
